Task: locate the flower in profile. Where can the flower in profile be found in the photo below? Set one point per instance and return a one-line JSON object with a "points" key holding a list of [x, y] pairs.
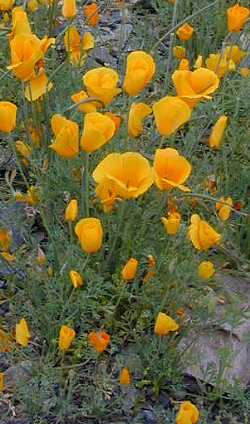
{"points": [[179, 52], [91, 12], [87, 107], [193, 86], [6, 5], [185, 32], [22, 333], [206, 270], [172, 222], [165, 324], [20, 22], [138, 112], [220, 64], [128, 175], [101, 83], [71, 211], [98, 130], [66, 338], [7, 116], [235, 53], [237, 17], [69, 9], [184, 65], [170, 113], [224, 208], [76, 46], [76, 279], [99, 340], [130, 269], [90, 234], [188, 414], [201, 234], [5, 239], [216, 136], [140, 70], [170, 169], [125, 378], [37, 86], [66, 141]]}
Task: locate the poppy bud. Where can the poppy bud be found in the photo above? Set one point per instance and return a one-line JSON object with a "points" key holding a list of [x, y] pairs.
{"points": [[66, 337], [90, 234], [130, 269], [71, 211]]}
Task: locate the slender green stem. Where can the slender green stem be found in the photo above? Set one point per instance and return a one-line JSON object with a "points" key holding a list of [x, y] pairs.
{"points": [[172, 37], [86, 185]]}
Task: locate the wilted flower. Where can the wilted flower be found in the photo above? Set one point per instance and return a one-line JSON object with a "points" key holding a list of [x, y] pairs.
{"points": [[138, 112], [99, 340], [237, 17], [179, 52], [102, 84], [66, 337], [90, 234], [193, 86], [71, 211], [22, 333], [76, 279], [224, 208], [165, 324], [69, 9], [140, 70], [7, 116], [188, 414], [128, 175], [23, 149], [125, 378], [201, 234], [170, 169], [206, 270], [217, 133], [5, 239], [130, 269], [185, 32], [170, 114], [98, 130], [66, 142], [172, 223], [37, 86], [84, 107], [92, 14]]}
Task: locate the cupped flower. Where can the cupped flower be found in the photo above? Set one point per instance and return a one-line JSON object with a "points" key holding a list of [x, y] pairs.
{"points": [[66, 141], [140, 70], [185, 32], [217, 134], [138, 112], [165, 324], [201, 234], [188, 414], [98, 130], [170, 169], [37, 86], [172, 223], [69, 9], [224, 208], [99, 340], [102, 84], [130, 269], [22, 333], [66, 338], [206, 270], [129, 174], [193, 86], [237, 17], [7, 116], [170, 114], [90, 234]]}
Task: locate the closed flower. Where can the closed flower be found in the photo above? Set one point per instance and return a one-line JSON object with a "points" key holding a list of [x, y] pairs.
{"points": [[6, 5], [130, 269], [76, 279], [138, 112], [22, 333], [125, 378], [37, 86], [224, 208], [128, 175], [66, 141], [91, 12], [140, 70], [237, 17], [23, 149], [188, 414], [170, 169], [69, 9], [216, 136], [98, 130], [90, 234], [99, 340], [201, 234], [87, 107], [170, 114], [219, 64], [7, 116], [193, 86], [102, 84], [185, 32], [235, 53], [66, 338], [179, 52], [71, 211], [165, 324], [172, 223], [206, 270]]}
